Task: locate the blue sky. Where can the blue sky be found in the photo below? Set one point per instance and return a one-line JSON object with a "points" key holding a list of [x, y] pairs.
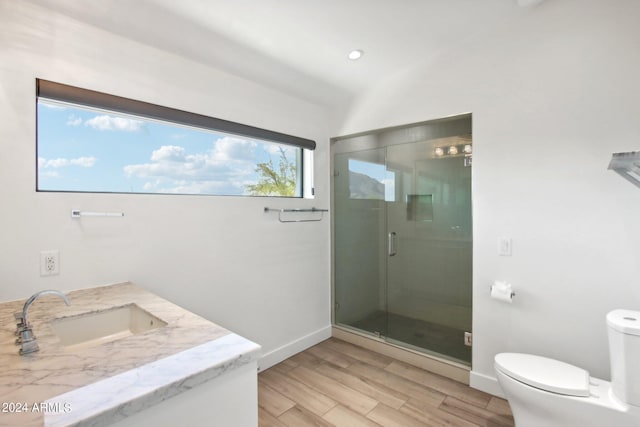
{"points": [[90, 150]]}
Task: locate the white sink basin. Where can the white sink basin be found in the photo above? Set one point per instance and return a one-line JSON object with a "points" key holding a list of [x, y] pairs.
{"points": [[95, 328]]}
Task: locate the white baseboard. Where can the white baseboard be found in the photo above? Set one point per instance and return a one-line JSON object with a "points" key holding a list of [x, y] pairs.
{"points": [[485, 383], [281, 353]]}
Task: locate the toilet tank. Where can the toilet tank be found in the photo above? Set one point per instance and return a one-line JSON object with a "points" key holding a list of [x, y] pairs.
{"points": [[624, 352]]}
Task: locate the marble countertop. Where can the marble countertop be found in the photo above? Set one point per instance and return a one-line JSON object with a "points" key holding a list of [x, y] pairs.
{"points": [[98, 385]]}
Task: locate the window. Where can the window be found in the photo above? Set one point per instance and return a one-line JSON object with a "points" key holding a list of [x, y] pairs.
{"points": [[372, 181], [94, 142]]}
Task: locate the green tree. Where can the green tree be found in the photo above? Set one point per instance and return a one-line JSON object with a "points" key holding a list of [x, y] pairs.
{"points": [[277, 180]]}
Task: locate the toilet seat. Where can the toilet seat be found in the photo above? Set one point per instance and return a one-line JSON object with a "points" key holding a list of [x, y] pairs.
{"points": [[544, 373]]}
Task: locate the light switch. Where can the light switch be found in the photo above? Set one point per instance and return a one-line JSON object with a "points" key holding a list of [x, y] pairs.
{"points": [[504, 246]]}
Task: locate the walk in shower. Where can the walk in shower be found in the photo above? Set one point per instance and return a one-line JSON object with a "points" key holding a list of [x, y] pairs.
{"points": [[402, 237]]}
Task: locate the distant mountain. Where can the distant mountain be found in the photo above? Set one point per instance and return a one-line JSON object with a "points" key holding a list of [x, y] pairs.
{"points": [[362, 186]]}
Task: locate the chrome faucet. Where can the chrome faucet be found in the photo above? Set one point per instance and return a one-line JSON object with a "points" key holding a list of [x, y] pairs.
{"points": [[26, 338]]}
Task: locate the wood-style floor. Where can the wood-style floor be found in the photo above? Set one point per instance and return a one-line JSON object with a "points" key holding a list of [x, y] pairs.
{"points": [[339, 384]]}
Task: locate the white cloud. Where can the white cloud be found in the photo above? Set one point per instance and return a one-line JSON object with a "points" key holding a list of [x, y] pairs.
{"points": [[106, 122], [74, 121], [85, 162], [230, 148], [225, 168], [50, 174], [169, 153], [194, 187], [275, 149]]}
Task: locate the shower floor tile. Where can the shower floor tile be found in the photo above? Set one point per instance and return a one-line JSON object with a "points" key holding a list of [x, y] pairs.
{"points": [[432, 337]]}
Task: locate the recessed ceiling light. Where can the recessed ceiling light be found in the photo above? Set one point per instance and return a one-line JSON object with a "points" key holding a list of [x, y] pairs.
{"points": [[355, 54]]}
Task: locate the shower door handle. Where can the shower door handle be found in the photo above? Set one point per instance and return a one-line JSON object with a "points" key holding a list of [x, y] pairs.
{"points": [[391, 243]]}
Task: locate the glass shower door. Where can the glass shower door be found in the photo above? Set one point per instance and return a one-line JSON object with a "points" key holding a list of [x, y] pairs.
{"points": [[430, 245], [402, 236], [359, 226]]}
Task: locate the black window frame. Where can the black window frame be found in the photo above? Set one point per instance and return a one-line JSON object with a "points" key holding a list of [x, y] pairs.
{"points": [[59, 92]]}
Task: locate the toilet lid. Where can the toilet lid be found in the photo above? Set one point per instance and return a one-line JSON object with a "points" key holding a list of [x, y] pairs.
{"points": [[543, 373]]}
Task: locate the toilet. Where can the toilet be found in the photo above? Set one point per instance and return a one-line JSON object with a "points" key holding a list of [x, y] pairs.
{"points": [[544, 392]]}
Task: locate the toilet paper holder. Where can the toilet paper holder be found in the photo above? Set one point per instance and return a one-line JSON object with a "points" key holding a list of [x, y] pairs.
{"points": [[512, 294], [502, 291]]}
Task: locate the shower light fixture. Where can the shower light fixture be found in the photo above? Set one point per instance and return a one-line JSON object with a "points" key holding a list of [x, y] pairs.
{"points": [[453, 150], [355, 54]]}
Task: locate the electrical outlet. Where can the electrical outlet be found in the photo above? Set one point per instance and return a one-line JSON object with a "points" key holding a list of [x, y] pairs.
{"points": [[49, 263]]}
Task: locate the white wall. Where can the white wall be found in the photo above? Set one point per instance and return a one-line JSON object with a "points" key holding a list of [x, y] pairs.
{"points": [[553, 94], [221, 257]]}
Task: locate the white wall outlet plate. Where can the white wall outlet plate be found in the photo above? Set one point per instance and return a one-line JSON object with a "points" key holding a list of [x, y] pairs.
{"points": [[49, 263]]}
